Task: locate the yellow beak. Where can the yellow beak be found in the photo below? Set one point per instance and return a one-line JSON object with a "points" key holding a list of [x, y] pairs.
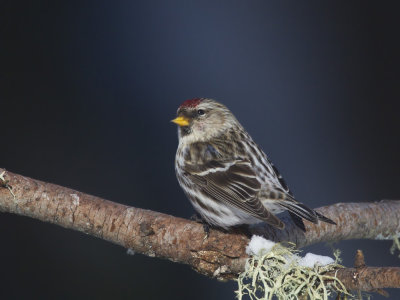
{"points": [[181, 121]]}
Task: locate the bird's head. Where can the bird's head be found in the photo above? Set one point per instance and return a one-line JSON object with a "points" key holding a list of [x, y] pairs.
{"points": [[201, 119]]}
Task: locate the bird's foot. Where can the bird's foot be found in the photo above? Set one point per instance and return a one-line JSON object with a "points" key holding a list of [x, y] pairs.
{"points": [[242, 229], [197, 218], [206, 227]]}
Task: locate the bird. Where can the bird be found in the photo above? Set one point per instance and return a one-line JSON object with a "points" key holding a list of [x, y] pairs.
{"points": [[227, 177]]}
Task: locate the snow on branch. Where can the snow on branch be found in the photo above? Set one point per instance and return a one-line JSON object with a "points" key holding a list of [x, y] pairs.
{"points": [[222, 255]]}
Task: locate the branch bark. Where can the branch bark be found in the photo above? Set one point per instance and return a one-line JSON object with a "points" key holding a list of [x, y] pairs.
{"points": [[221, 255]]}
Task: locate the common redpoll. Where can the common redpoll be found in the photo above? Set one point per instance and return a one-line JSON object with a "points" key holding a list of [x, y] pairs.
{"points": [[227, 177]]}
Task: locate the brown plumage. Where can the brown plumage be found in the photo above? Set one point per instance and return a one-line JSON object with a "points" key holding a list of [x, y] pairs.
{"points": [[227, 177]]}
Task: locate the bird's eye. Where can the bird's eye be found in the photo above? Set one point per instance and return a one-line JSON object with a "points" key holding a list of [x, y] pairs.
{"points": [[200, 112]]}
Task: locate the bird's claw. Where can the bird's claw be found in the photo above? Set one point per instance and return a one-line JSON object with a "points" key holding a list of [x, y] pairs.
{"points": [[206, 229], [197, 218]]}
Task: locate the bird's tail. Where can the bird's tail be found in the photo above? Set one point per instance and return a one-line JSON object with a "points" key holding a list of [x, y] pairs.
{"points": [[324, 219], [299, 211]]}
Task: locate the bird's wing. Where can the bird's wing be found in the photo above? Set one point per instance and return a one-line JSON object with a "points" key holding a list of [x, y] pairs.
{"points": [[283, 197], [297, 210], [233, 182]]}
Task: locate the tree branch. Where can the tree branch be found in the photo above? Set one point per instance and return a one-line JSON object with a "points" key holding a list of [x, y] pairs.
{"points": [[369, 278], [221, 255]]}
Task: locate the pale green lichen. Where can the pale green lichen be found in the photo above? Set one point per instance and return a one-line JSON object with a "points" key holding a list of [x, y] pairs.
{"points": [[336, 254], [277, 275], [396, 245], [5, 183], [2, 176]]}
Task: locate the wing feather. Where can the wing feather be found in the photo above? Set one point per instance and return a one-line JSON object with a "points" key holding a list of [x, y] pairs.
{"points": [[235, 183]]}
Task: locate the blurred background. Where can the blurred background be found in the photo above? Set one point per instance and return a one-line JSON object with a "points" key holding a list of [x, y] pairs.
{"points": [[87, 90]]}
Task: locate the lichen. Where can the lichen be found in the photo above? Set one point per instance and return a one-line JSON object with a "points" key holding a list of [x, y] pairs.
{"points": [[396, 245], [4, 183], [278, 274], [130, 251]]}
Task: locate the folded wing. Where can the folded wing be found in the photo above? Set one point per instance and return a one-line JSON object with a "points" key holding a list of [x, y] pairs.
{"points": [[234, 183]]}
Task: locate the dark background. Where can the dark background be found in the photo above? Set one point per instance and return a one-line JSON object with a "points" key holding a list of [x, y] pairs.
{"points": [[87, 90]]}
